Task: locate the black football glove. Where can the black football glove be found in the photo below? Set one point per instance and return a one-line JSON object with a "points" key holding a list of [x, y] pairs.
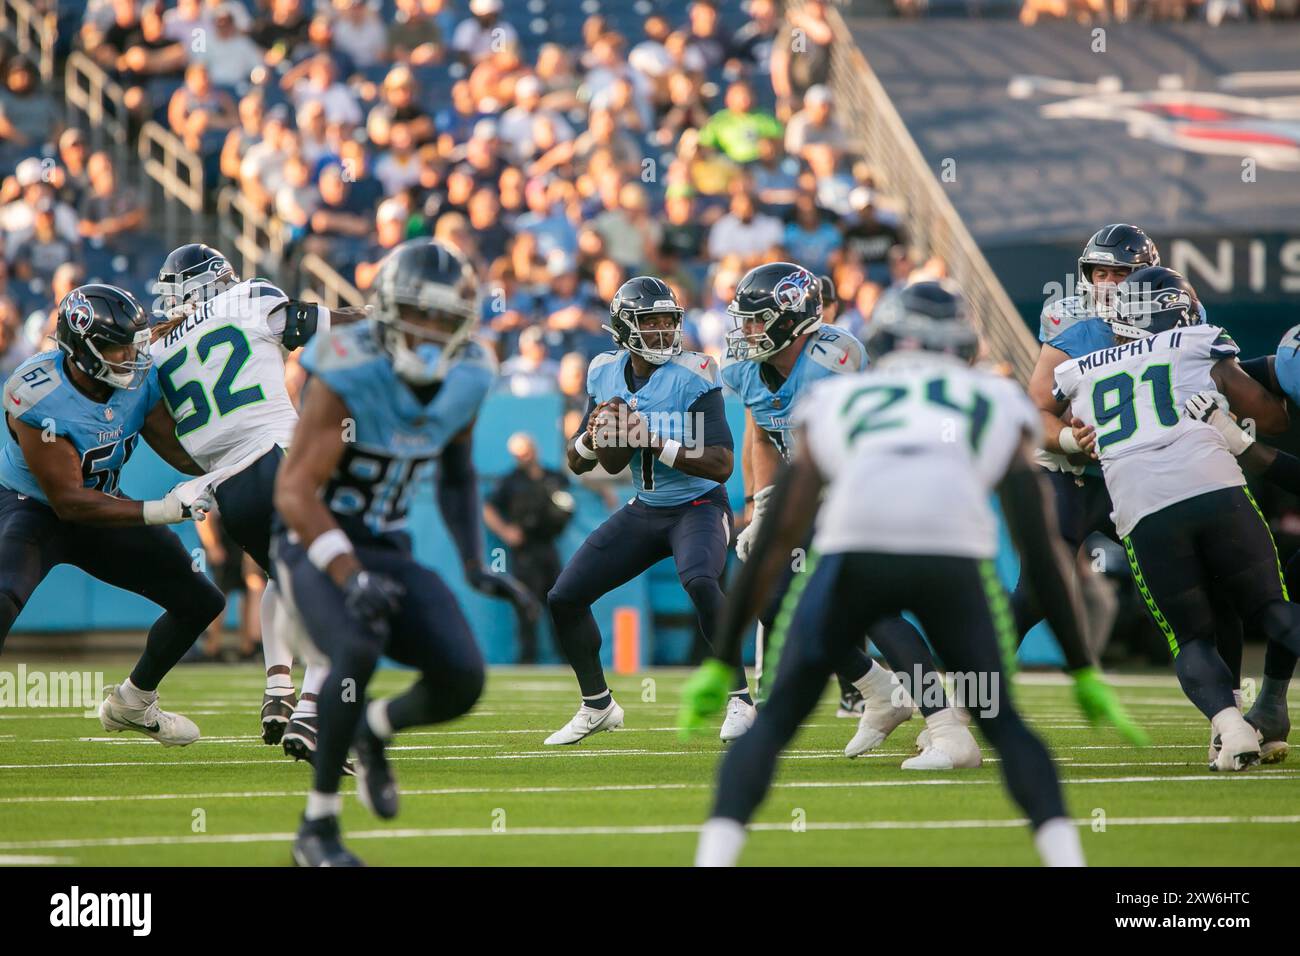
{"points": [[503, 586], [372, 598]]}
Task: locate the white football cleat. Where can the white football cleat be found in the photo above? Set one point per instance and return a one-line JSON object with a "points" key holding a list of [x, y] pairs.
{"points": [[1239, 742], [740, 717], [923, 738], [951, 747], [585, 722], [887, 706], [170, 730]]}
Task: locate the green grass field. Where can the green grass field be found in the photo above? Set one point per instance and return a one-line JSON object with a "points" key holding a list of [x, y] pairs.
{"points": [[483, 790]]}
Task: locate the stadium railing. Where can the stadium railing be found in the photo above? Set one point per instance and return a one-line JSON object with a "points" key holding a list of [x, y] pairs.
{"points": [[932, 220], [331, 288], [255, 236], [33, 31], [101, 100], [178, 171]]}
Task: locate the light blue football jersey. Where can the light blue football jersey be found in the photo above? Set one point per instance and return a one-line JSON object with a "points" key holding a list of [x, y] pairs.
{"points": [[104, 434], [829, 351], [1084, 337], [397, 436], [663, 401], [1286, 364]]}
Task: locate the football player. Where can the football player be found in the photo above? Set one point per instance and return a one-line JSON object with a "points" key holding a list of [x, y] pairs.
{"points": [[777, 350], [74, 416], [905, 524], [1198, 523], [219, 349], [659, 408], [1072, 327], [385, 398]]}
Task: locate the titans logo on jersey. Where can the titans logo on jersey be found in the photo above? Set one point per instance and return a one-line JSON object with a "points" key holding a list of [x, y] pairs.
{"points": [[104, 434], [1062, 315], [669, 400], [397, 436], [829, 351]]}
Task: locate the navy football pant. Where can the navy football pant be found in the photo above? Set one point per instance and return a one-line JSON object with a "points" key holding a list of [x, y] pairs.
{"points": [[1083, 508], [428, 633], [146, 560], [246, 504], [696, 534], [899, 641], [1220, 540], [961, 605]]}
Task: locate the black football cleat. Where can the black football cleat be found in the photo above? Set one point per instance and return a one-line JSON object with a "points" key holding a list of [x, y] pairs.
{"points": [[277, 710], [299, 742], [376, 786], [318, 844]]}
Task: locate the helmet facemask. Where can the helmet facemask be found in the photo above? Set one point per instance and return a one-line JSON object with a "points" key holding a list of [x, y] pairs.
{"points": [[127, 373], [182, 295], [1136, 308], [656, 345], [752, 346], [422, 340], [1099, 299]]}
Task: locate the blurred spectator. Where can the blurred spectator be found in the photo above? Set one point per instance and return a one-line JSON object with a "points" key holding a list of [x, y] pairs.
{"points": [[531, 372], [707, 327], [17, 218], [858, 318], [528, 510], [752, 43], [631, 235], [111, 213], [871, 236], [71, 180], [744, 232], [360, 33], [801, 57], [241, 137], [317, 79], [390, 231], [338, 223], [150, 62], [296, 198], [27, 113], [398, 168], [809, 239], [181, 23], [517, 123], [40, 252], [399, 104], [261, 172], [416, 33], [573, 386], [38, 328], [706, 35], [227, 52], [814, 123], [737, 129], [199, 113], [281, 29], [775, 181], [14, 347], [483, 32], [683, 234]]}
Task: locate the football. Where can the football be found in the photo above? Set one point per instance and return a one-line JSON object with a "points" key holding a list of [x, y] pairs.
{"points": [[608, 437]]}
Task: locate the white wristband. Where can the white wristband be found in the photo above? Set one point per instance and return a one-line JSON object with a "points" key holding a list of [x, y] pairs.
{"points": [[327, 547], [157, 512], [668, 454], [581, 448], [1069, 444]]}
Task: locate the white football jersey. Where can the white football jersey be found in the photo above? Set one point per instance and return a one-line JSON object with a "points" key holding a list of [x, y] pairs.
{"points": [[1133, 394], [222, 375], [911, 450]]}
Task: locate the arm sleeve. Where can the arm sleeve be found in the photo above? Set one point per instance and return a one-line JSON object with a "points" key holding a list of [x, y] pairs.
{"points": [[715, 428], [458, 500]]}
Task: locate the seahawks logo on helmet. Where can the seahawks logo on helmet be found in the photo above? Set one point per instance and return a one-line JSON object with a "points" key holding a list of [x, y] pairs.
{"points": [[791, 293], [80, 314]]}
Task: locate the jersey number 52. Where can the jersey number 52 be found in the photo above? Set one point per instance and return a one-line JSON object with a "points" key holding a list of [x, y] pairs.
{"points": [[224, 396]]}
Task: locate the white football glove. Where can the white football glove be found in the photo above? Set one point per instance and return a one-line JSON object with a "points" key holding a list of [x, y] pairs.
{"points": [[745, 540], [1210, 407], [172, 510]]}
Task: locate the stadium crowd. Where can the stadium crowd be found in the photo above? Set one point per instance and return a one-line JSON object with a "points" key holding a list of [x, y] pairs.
{"points": [[692, 140]]}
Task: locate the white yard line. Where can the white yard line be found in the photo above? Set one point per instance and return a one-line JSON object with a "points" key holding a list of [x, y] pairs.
{"points": [[650, 830], [642, 787]]}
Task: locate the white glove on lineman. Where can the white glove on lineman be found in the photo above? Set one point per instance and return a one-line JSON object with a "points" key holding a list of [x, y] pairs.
{"points": [[172, 510], [1209, 407], [745, 540]]}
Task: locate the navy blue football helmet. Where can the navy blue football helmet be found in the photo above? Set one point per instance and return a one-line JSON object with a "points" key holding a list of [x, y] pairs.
{"points": [[1154, 300], [925, 316], [94, 319]]}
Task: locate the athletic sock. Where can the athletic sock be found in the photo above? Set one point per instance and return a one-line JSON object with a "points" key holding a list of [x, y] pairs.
{"points": [[306, 707], [1058, 844], [279, 681], [321, 805], [276, 624], [134, 696], [721, 841], [377, 719], [877, 684], [599, 701]]}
